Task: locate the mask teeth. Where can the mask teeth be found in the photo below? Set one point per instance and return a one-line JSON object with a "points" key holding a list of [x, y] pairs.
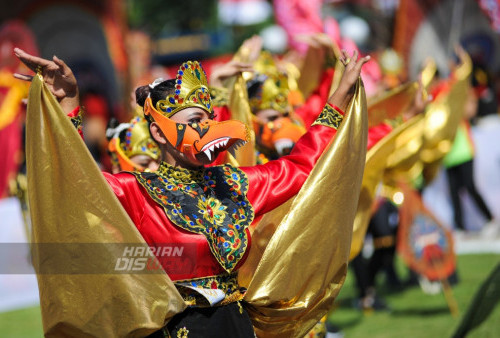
{"points": [[210, 151], [283, 145], [236, 146], [209, 154]]}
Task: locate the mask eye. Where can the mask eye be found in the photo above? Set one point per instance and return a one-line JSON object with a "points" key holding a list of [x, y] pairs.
{"points": [[195, 120]]}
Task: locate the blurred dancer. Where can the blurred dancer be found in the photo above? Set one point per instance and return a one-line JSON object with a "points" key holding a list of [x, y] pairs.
{"points": [[276, 132], [459, 166], [12, 92], [132, 148]]}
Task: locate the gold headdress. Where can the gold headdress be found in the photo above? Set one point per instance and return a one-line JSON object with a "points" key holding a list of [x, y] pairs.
{"points": [[265, 64], [272, 94], [191, 90], [273, 91], [138, 140], [193, 139], [135, 141]]}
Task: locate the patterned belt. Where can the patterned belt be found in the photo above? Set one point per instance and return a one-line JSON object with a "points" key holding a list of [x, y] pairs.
{"points": [[227, 283]]}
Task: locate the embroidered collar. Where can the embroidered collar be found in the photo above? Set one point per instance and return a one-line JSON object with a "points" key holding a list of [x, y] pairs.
{"points": [[210, 201], [179, 175]]}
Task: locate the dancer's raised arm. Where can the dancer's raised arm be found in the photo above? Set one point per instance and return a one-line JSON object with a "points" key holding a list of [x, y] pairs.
{"points": [[273, 183], [57, 76]]}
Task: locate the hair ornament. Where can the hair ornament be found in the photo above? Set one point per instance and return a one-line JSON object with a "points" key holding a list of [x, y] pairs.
{"points": [[156, 82]]}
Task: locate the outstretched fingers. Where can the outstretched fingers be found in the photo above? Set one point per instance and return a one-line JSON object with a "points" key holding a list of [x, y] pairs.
{"points": [[344, 57], [352, 61], [345, 54], [23, 77], [31, 61], [63, 67], [359, 64], [355, 56]]}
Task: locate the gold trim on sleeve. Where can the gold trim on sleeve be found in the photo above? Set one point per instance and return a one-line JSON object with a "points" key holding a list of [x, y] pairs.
{"points": [[329, 117]]}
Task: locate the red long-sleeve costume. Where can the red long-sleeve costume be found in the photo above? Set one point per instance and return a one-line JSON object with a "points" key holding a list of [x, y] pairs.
{"points": [[269, 185]]}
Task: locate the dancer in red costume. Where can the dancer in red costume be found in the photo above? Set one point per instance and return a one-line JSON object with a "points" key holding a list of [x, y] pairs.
{"points": [[208, 208]]}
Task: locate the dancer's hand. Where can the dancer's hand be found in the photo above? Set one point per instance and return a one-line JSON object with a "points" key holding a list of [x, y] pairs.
{"points": [[250, 49], [420, 101], [227, 70], [345, 90], [316, 40], [56, 74]]}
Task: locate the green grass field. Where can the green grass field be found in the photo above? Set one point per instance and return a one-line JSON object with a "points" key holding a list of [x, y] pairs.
{"points": [[415, 314], [412, 314]]}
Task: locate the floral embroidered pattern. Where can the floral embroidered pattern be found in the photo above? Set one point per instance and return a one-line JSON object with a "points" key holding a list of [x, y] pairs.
{"points": [[211, 202], [212, 210], [225, 282], [329, 117]]}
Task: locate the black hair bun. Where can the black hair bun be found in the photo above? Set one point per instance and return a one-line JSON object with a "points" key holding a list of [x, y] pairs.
{"points": [[141, 94]]}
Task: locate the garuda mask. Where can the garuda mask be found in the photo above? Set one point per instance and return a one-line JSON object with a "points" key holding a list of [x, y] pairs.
{"points": [[191, 90]]}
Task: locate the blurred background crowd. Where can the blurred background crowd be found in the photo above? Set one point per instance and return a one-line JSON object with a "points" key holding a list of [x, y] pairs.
{"points": [[114, 46]]}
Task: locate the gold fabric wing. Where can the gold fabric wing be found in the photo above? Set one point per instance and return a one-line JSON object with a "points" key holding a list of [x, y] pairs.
{"points": [[391, 104], [304, 264], [442, 119], [71, 204], [392, 149], [428, 72]]}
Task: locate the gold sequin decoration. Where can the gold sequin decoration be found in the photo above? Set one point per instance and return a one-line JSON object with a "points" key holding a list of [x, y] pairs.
{"points": [[182, 333]]}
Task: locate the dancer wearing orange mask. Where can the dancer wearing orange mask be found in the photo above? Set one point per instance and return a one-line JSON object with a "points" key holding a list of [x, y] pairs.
{"points": [[207, 209]]}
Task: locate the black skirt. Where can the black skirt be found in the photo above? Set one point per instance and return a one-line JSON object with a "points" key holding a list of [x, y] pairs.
{"points": [[230, 320]]}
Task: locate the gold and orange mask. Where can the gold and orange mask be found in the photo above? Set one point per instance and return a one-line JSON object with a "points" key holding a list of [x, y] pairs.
{"points": [[278, 136], [194, 138], [137, 141]]}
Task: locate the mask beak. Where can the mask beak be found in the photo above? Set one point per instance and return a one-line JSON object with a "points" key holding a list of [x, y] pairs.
{"points": [[221, 136], [205, 139]]}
